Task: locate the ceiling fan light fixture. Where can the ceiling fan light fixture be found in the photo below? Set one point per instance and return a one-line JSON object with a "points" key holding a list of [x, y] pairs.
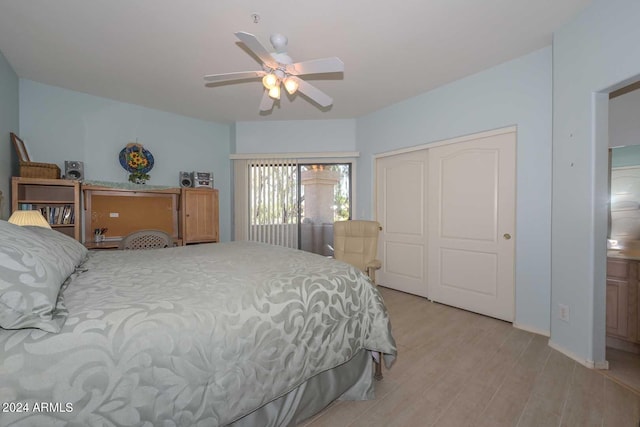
{"points": [[278, 69], [270, 81], [274, 92], [290, 85]]}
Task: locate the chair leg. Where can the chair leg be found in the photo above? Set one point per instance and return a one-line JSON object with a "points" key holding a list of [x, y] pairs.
{"points": [[378, 372], [371, 272]]}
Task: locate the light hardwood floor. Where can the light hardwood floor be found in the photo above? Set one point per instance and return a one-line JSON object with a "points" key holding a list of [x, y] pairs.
{"points": [[456, 368]]}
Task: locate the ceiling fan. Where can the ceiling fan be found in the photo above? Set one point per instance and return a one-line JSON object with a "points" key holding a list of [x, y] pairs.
{"points": [[278, 69]]}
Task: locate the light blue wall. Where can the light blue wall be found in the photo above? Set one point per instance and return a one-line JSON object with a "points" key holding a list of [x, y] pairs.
{"points": [[8, 123], [595, 53], [300, 136], [59, 124], [514, 93]]}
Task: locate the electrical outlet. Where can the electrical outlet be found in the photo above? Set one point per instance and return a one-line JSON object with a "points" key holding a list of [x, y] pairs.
{"points": [[563, 312]]}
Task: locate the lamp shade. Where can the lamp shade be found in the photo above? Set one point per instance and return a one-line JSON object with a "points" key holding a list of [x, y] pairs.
{"points": [[270, 81], [274, 92], [28, 218], [290, 85]]}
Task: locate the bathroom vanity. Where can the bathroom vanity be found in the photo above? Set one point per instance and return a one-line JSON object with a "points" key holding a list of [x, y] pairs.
{"points": [[623, 310]]}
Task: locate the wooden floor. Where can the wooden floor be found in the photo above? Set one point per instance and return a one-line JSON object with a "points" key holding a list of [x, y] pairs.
{"points": [[456, 368]]}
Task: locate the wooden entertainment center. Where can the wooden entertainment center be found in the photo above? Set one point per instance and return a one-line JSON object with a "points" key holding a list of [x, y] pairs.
{"points": [[189, 215], [123, 211]]}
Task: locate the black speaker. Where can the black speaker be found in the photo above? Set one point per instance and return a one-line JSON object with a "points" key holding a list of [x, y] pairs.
{"points": [[185, 179], [74, 169]]}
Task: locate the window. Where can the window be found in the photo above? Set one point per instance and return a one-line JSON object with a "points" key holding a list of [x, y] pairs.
{"points": [[273, 202], [291, 203]]}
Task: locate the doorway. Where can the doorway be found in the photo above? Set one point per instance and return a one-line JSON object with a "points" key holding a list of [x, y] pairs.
{"points": [[623, 281]]}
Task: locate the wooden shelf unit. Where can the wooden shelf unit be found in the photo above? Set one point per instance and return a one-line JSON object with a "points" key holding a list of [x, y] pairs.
{"points": [[52, 195]]}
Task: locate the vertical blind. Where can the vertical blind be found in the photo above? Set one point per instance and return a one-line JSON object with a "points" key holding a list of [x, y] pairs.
{"points": [[273, 201]]}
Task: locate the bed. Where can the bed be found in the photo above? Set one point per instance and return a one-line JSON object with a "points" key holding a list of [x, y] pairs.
{"points": [[240, 333]]}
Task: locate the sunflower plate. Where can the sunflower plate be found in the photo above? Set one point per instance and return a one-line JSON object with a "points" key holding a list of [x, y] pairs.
{"points": [[135, 158]]}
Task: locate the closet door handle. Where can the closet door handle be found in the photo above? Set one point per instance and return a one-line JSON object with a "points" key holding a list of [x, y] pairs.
{"points": [[506, 236]]}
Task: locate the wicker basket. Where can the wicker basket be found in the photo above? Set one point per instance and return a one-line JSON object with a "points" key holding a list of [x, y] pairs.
{"points": [[29, 169], [39, 170]]}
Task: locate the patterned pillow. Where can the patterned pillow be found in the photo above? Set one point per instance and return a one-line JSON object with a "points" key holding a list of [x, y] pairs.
{"points": [[32, 270], [73, 251]]}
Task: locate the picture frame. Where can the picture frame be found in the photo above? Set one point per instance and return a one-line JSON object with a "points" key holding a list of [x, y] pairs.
{"points": [[20, 148]]}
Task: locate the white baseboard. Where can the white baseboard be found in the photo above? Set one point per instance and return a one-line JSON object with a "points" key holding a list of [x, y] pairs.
{"points": [[532, 329], [588, 363]]}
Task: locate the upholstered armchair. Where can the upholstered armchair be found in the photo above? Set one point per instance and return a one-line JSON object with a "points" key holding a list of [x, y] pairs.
{"points": [[356, 242]]}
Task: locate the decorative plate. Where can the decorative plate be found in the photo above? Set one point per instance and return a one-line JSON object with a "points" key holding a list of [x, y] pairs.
{"points": [[135, 158]]}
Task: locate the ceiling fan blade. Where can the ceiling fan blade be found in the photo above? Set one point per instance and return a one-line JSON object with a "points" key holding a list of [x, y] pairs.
{"points": [[267, 102], [240, 75], [313, 92], [257, 48], [316, 66]]}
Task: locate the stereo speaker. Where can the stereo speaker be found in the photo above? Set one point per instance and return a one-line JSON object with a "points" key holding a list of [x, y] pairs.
{"points": [[185, 179], [74, 169], [202, 179]]}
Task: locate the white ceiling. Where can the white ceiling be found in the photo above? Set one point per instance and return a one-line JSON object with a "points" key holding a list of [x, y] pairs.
{"points": [[155, 52]]}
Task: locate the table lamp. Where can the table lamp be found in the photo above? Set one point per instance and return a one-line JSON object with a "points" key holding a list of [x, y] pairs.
{"points": [[28, 218]]}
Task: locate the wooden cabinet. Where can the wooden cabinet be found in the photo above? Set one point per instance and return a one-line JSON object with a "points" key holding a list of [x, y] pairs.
{"points": [[199, 215], [618, 297], [622, 311], [617, 305], [57, 199]]}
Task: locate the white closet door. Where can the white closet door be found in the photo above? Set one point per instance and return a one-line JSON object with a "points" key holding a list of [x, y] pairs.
{"points": [[472, 223], [401, 210]]}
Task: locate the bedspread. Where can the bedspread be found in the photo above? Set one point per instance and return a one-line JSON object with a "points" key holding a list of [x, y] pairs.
{"points": [[194, 335]]}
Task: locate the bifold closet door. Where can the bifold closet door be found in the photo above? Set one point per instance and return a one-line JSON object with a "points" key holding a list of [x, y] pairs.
{"points": [[401, 198], [472, 223]]}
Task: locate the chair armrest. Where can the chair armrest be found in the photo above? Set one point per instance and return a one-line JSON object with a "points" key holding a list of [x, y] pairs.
{"points": [[374, 263]]}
